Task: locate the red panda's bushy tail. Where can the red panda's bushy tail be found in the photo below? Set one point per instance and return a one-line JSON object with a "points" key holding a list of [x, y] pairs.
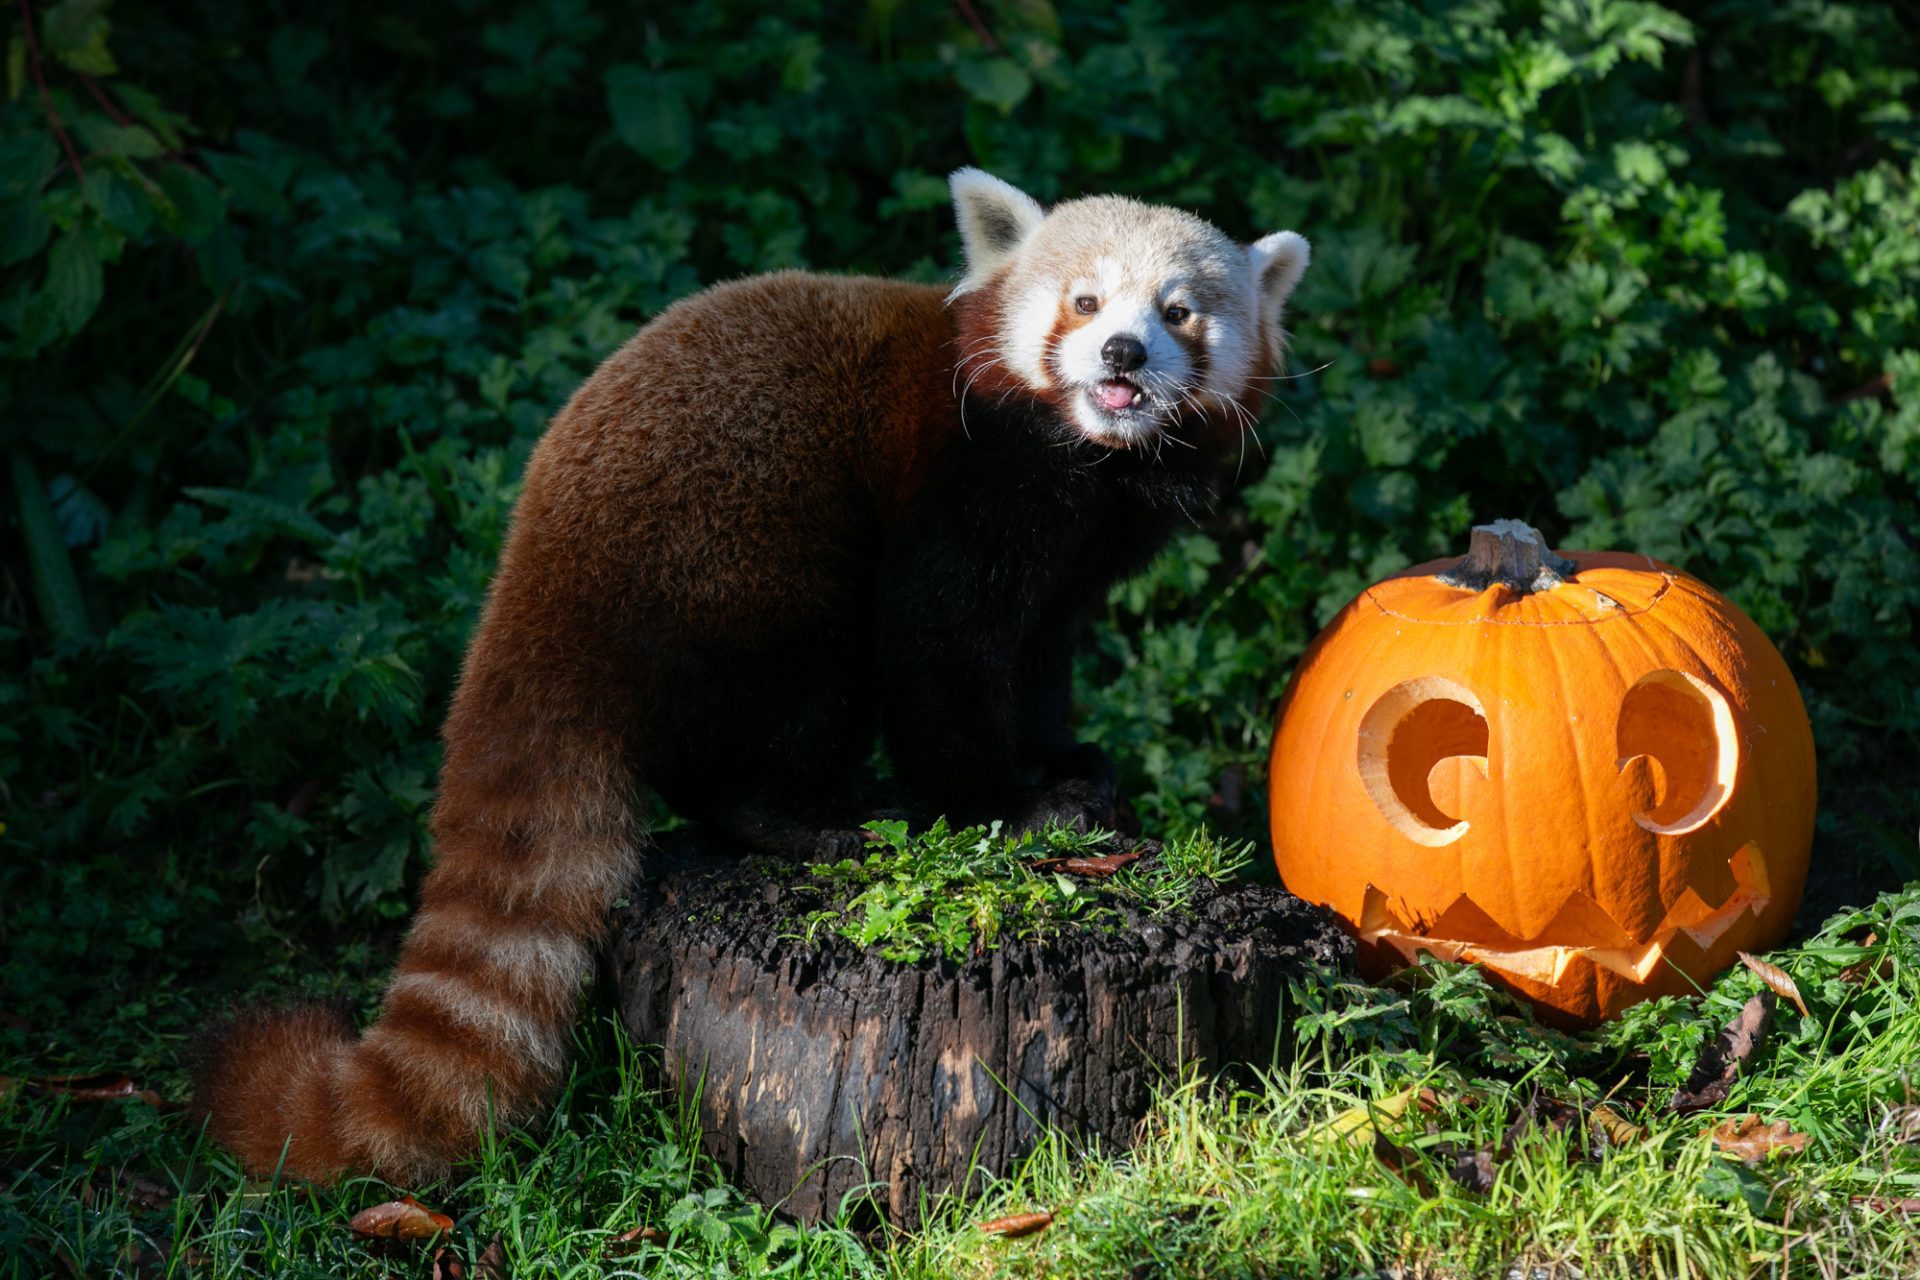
{"points": [[534, 838]]}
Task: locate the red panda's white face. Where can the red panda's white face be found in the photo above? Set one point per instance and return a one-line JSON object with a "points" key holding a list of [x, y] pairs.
{"points": [[1126, 317]]}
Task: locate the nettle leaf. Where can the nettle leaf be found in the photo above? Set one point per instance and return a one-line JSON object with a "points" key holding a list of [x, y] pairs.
{"points": [[195, 205], [24, 230], [653, 111], [101, 136], [26, 162], [124, 205], [74, 280], [999, 82], [75, 32]]}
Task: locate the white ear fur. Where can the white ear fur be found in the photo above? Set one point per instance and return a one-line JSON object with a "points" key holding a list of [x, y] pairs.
{"points": [[1278, 260], [994, 217]]}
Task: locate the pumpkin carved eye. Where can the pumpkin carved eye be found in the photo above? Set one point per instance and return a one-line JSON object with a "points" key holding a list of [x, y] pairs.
{"points": [[1679, 754], [1420, 742]]}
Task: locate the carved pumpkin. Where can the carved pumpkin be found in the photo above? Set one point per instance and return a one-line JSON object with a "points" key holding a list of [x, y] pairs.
{"points": [[1588, 772]]}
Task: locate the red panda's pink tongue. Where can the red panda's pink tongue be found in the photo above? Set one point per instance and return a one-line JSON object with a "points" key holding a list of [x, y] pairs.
{"points": [[1116, 394]]}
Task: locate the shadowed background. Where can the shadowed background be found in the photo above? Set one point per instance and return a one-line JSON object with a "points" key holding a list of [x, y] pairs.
{"points": [[289, 293]]}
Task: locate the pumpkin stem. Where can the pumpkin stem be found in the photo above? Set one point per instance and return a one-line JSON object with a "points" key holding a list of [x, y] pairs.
{"points": [[1511, 553]]}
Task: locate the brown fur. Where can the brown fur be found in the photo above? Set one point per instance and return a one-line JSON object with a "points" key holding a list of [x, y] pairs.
{"points": [[636, 539]]}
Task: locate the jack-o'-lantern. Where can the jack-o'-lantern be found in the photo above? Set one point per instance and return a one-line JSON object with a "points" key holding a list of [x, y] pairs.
{"points": [[1587, 772]]}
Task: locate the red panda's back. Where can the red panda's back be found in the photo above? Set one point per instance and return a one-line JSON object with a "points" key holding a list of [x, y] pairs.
{"points": [[714, 466]]}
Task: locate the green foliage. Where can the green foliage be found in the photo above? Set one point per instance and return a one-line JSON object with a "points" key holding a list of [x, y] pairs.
{"points": [[957, 893], [286, 299]]}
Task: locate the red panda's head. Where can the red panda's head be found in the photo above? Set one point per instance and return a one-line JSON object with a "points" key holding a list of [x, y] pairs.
{"points": [[1126, 317]]}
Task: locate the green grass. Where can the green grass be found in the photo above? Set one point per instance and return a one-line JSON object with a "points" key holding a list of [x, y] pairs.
{"points": [[1242, 1183]]}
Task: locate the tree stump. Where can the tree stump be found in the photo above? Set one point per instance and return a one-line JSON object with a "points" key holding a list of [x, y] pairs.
{"points": [[823, 1071]]}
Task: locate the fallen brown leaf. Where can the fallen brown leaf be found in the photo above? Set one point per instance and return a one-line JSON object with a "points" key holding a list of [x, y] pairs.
{"points": [[1723, 1058], [1906, 1206], [491, 1264], [100, 1086], [1542, 1110], [1016, 1225], [1101, 866], [402, 1219], [1778, 980], [1475, 1170], [1902, 1124], [1857, 974], [1619, 1131], [1402, 1163], [628, 1243], [1754, 1141]]}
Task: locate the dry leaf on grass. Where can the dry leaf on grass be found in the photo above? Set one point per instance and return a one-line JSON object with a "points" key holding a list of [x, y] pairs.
{"points": [[1355, 1125], [1619, 1131], [1723, 1058], [1543, 1111], [1100, 866], [628, 1243], [1754, 1141], [1403, 1164], [490, 1265], [1777, 979], [1905, 1206], [1016, 1225], [99, 1086], [1475, 1170], [1873, 968], [402, 1219]]}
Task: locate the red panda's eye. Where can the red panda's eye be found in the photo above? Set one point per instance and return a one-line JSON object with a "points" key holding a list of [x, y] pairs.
{"points": [[1177, 314], [1085, 305]]}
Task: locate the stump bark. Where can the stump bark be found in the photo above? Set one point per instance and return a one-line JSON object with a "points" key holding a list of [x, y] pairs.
{"points": [[823, 1071]]}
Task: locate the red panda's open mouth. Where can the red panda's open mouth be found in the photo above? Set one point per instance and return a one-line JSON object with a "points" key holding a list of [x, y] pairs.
{"points": [[1117, 395]]}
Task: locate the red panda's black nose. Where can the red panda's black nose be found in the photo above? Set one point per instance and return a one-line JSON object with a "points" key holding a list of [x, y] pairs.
{"points": [[1123, 353]]}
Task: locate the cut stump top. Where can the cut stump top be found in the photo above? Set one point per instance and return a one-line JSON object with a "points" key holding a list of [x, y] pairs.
{"points": [[823, 1071]]}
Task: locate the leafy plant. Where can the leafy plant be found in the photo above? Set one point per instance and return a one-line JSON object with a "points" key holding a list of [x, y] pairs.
{"points": [[957, 893]]}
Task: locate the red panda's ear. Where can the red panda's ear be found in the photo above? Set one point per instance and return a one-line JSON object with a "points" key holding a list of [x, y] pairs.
{"points": [[994, 218], [1278, 262]]}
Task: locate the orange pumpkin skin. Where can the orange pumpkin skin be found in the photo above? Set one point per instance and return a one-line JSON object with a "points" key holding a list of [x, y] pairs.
{"points": [[1600, 791]]}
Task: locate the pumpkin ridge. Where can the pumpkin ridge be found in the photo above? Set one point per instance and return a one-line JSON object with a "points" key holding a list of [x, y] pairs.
{"points": [[1567, 698], [1655, 657], [1666, 585]]}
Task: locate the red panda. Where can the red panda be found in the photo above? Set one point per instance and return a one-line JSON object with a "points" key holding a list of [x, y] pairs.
{"points": [[791, 513]]}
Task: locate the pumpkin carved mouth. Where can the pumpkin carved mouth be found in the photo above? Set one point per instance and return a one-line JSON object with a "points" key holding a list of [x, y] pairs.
{"points": [[1582, 930]]}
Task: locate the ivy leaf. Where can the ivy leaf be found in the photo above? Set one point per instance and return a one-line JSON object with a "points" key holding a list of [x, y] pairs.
{"points": [[998, 82]]}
